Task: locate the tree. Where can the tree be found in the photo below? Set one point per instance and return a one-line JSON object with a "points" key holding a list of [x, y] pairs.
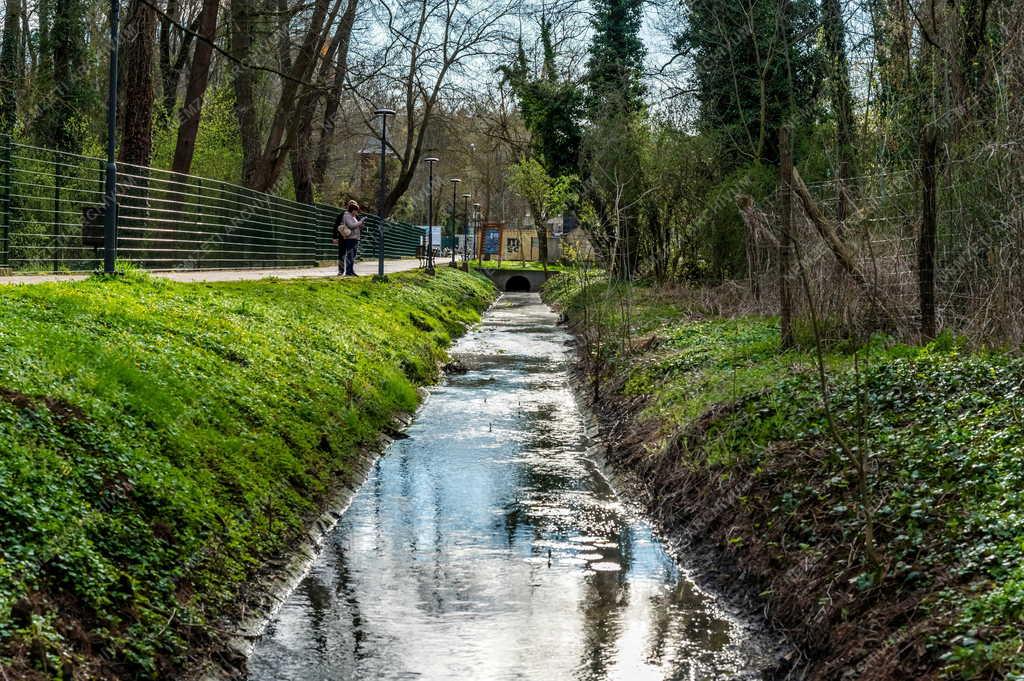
{"points": [[264, 153], [429, 43], [198, 79], [65, 94], [752, 58], [174, 47], [834, 31], [547, 197], [551, 106], [342, 39], [334, 64], [615, 68], [137, 116], [611, 163], [10, 67]]}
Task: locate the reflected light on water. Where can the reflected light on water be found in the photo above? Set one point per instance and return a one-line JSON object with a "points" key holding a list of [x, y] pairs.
{"points": [[486, 546]]}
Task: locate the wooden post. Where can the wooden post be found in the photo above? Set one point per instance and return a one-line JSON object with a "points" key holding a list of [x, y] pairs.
{"points": [[786, 240], [926, 240]]}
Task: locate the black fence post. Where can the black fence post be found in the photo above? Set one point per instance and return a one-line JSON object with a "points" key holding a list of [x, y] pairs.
{"points": [[8, 180]]}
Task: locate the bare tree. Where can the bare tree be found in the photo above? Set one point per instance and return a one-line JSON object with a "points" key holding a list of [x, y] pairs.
{"points": [[431, 44]]}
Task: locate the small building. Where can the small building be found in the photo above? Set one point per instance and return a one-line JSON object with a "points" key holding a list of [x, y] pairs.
{"points": [[498, 241]]}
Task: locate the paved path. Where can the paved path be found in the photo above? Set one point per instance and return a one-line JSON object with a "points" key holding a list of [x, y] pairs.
{"points": [[364, 268]]}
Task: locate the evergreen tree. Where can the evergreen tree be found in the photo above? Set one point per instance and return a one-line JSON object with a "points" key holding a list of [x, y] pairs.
{"points": [[10, 62], [751, 61], [64, 89], [616, 65]]}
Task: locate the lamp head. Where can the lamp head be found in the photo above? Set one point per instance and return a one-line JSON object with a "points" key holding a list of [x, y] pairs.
{"points": [[384, 112], [455, 180], [431, 160]]}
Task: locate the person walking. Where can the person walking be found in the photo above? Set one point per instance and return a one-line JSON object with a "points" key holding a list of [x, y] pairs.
{"points": [[349, 229]]}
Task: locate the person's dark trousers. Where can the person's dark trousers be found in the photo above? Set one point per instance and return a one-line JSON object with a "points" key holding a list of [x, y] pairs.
{"points": [[347, 256]]}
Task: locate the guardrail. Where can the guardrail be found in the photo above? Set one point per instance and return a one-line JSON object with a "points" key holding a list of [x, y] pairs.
{"points": [[52, 210]]}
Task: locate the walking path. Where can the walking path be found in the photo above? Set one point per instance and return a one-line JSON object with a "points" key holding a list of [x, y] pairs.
{"points": [[364, 268]]}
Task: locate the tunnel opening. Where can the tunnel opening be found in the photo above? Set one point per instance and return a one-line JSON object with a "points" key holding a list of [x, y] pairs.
{"points": [[518, 284]]}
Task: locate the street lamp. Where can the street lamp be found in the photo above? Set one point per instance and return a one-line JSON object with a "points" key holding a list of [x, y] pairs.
{"points": [[455, 187], [430, 214], [478, 233], [465, 231], [383, 191], [110, 181]]}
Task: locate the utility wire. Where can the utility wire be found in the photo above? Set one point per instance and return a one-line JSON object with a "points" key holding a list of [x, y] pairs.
{"points": [[227, 55]]}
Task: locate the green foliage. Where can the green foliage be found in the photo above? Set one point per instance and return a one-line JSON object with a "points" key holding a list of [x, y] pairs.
{"points": [[615, 68], [64, 92], [547, 196], [551, 107], [161, 441], [943, 431], [748, 81], [218, 154]]}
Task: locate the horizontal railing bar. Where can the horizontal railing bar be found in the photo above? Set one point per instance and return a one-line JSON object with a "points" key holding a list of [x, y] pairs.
{"points": [[289, 222], [223, 182], [176, 201]]}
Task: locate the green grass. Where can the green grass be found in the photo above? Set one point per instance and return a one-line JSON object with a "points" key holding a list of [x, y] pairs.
{"points": [[514, 265], [159, 441], [942, 429]]}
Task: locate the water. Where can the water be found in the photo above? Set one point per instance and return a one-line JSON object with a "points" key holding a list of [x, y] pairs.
{"points": [[486, 546]]}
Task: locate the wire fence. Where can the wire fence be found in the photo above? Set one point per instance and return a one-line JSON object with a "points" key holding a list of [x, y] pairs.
{"points": [[979, 274], [52, 211]]}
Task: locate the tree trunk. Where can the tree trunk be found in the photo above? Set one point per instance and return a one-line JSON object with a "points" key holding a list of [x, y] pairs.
{"points": [[786, 238], [302, 151], [342, 39], [542, 243], [892, 37], [242, 31], [282, 136], [198, 79], [172, 65], [137, 118], [842, 101], [926, 240], [10, 62]]}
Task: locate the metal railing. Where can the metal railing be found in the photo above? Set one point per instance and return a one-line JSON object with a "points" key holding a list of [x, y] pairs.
{"points": [[52, 209]]}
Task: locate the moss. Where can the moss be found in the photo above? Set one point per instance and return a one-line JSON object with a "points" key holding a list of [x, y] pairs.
{"points": [[160, 441]]}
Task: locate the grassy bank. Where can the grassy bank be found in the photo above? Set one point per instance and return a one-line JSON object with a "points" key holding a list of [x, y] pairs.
{"points": [[898, 556], [159, 442]]}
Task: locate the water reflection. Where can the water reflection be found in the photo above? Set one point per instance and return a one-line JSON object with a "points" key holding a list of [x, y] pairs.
{"points": [[485, 546]]}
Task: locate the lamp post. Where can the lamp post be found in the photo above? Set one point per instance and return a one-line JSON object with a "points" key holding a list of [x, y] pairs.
{"points": [[465, 232], [477, 229], [110, 180], [382, 193], [455, 187], [431, 161]]}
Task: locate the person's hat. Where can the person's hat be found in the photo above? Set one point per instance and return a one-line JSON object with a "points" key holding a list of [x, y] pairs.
{"points": [[352, 204]]}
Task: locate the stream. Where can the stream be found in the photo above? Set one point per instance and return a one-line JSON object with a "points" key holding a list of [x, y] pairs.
{"points": [[487, 546]]}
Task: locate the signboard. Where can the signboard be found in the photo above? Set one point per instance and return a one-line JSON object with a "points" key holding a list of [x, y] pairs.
{"points": [[492, 241]]}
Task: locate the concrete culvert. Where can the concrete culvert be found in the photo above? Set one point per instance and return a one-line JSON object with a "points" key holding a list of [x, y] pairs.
{"points": [[517, 284]]}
